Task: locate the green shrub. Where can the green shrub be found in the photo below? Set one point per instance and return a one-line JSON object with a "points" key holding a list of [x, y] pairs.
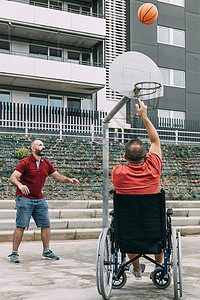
{"points": [[22, 152], [67, 173]]}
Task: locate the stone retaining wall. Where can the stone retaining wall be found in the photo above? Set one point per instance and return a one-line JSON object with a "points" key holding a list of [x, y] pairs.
{"points": [[83, 159]]}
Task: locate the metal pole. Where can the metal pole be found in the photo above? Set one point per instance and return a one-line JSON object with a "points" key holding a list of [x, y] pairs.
{"points": [[26, 128], [106, 120], [105, 173], [115, 110]]}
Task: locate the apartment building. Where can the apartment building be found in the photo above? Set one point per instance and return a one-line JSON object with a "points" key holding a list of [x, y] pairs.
{"points": [[173, 43], [52, 53]]}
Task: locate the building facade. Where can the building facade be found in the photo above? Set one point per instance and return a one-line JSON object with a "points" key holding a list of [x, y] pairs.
{"points": [[173, 43], [57, 54], [52, 53]]}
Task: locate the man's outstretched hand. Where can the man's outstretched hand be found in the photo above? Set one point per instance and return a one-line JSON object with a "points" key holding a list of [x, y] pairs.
{"points": [[141, 109]]}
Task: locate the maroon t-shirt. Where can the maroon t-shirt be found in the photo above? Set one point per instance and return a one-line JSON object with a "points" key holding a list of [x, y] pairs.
{"points": [[33, 177]]}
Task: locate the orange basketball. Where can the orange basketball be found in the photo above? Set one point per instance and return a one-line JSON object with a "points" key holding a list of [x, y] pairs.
{"points": [[147, 13]]}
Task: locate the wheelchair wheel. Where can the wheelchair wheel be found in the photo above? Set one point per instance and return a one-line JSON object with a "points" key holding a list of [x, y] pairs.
{"points": [[180, 265], [175, 263], [159, 280], [106, 265], [98, 264], [118, 284]]}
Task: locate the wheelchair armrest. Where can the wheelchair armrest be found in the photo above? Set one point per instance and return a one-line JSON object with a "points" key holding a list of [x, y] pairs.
{"points": [[112, 191], [169, 212]]}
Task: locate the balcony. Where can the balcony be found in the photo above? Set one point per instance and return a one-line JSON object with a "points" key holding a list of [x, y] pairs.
{"points": [[34, 22], [23, 71]]}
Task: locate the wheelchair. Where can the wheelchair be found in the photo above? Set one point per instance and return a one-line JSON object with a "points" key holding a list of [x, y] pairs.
{"points": [[139, 224]]}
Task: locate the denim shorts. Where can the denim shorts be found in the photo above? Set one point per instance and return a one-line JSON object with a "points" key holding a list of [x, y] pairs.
{"points": [[37, 208]]}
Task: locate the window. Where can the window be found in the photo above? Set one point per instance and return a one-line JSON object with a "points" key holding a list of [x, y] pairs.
{"points": [[166, 76], [86, 104], [73, 103], [55, 5], [55, 101], [74, 57], [175, 2], [55, 54], [4, 47], [86, 10], [42, 3], [36, 99], [173, 77], [4, 97], [38, 51], [171, 36], [73, 8], [86, 58], [77, 9], [170, 118]]}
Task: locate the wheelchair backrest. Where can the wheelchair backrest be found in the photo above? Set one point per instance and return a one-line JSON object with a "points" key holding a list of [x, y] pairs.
{"points": [[140, 222]]}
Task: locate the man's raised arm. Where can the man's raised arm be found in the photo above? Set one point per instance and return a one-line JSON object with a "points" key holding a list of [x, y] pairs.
{"points": [[152, 133]]}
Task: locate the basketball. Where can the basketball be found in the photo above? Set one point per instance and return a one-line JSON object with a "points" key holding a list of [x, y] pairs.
{"points": [[147, 13]]}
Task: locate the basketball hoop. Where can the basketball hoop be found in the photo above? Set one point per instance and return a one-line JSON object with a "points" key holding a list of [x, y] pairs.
{"points": [[146, 88]]}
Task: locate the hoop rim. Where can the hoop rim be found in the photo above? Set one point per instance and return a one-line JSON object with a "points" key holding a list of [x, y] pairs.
{"points": [[151, 90]]}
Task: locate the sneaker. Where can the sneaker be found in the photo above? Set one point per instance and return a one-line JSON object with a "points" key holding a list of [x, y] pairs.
{"points": [[137, 275], [49, 255], [14, 257]]}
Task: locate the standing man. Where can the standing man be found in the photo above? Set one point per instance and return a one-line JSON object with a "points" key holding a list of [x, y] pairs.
{"points": [[29, 178], [142, 173]]}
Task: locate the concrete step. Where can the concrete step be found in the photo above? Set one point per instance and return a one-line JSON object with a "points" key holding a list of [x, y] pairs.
{"points": [[183, 204], [9, 224], [95, 204], [79, 219], [185, 221], [58, 213], [92, 213], [78, 233], [61, 234], [61, 204]]}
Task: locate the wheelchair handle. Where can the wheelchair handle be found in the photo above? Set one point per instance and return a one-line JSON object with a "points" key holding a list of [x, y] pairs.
{"points": [[169, 212]]}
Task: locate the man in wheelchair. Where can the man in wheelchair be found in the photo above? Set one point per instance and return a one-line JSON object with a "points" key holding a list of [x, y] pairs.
{"points": [[139, 225], [141, 175]]}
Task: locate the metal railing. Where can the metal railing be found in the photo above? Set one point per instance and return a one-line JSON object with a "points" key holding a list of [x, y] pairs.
{"points": [[59, 6], [166, 135], [53, 58], [30, 119], [43, 120]]}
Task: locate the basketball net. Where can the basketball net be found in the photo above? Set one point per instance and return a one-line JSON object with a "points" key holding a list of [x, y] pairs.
{"points": [[144, 89]]}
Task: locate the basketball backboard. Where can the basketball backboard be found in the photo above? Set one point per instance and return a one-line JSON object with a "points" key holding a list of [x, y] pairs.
{"points": [[135, 75]]}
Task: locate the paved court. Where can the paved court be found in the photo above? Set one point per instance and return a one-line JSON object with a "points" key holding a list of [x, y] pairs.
{"points": [[73, 276]]}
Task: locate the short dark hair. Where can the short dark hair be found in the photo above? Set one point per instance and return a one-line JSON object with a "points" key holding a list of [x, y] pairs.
{"points": [[135, 150]]}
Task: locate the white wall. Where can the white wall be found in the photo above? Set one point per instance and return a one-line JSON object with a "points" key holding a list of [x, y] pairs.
{"points": [[20, 97], [45, 69], [29, 14], [119, 120], [19, 47]]}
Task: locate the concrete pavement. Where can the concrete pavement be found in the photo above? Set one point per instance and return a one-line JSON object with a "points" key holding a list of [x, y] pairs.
{"points": [[73, 276]]}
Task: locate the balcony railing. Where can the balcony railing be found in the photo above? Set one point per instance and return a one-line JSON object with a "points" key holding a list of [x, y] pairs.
{"points": [[58, 5], [52, 58]]}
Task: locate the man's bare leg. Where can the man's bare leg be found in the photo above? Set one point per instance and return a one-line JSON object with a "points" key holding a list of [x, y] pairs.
{"points": [[17, 238], [159, 258], [136, 263], [45, 236]]}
